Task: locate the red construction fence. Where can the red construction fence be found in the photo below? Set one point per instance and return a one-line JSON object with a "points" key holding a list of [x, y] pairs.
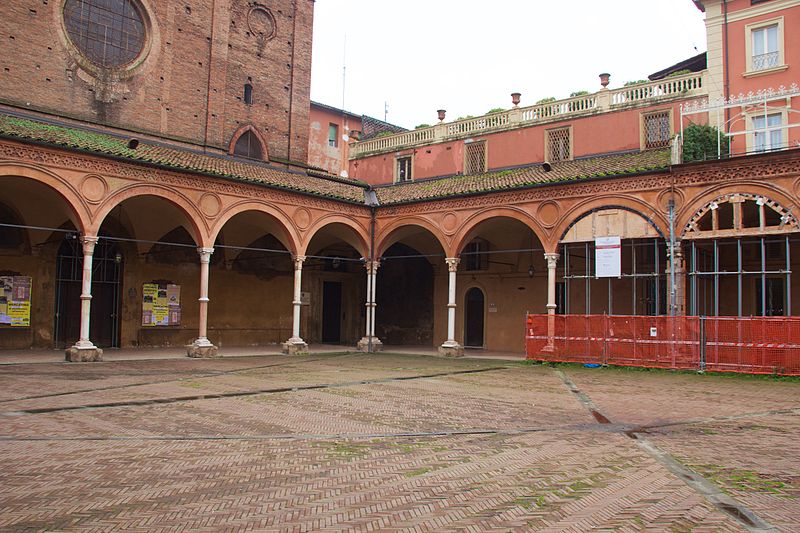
{"points": [[753, 345]]}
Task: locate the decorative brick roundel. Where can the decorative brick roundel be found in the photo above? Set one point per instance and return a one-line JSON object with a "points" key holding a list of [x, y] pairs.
{"points": [[109, 33], [261, 22]]}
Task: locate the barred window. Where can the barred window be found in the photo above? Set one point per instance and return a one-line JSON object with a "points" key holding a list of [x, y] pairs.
{"points": [[248, 145], [657, 131], [559, 145], [474, 157], [110, 33]]}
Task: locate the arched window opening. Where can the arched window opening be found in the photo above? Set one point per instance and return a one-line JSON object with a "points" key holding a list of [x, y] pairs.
{"points": [[248, 145], [248, 92]]}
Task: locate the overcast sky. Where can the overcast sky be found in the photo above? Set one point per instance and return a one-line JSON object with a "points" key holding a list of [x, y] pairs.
{"points": [[468, 57]]}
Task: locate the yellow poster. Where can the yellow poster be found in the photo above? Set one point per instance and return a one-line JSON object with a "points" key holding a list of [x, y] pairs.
{"points": [[149, 295], [15, 301], [161, 304]]}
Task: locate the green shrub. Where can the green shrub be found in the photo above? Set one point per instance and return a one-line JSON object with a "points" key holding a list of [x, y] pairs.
{"points": [[700, 143]]}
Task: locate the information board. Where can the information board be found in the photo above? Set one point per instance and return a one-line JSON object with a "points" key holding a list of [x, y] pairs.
{"points": [[161, 304], [607, 257], [15, 301]]}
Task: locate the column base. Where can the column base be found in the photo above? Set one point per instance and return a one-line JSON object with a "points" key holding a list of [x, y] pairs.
{"points": [[83, 354], [451, 349], [364, 345], [295, 346], [202, 349]]}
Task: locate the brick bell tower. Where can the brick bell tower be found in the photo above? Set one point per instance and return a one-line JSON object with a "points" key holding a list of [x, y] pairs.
{"points": [[205, 73]]}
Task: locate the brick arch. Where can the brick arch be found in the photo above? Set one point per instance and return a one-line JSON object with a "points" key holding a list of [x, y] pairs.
{"points": [[628, 203], [290, 234], [76, 204], [362, 237], [476, 219], [198, 229], [383, 239], [701, 203], [252, 129]]}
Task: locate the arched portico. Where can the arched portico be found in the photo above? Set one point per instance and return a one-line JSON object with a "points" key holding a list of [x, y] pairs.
{"points": [[411, 265], [743, 244], [253, 269], [37, 214], [501, 252], [333, 277], [612, 259]]}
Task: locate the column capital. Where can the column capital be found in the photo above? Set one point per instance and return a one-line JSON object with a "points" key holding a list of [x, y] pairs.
{"points": [[89, 242], [298, 261], [372, 266], [205, 254], [552, 259], [452, 263]]}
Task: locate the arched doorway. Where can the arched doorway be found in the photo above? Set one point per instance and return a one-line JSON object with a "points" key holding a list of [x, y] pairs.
{"points": [[474, 305], [106, 283], [334, 278]]}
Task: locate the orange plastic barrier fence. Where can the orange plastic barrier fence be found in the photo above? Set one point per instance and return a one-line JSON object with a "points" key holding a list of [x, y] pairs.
{"points": [[758, 345]]}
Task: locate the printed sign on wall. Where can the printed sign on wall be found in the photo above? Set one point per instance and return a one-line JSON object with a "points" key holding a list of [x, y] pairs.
{"points": [[607, 257], [15, 301], [161, 304]]}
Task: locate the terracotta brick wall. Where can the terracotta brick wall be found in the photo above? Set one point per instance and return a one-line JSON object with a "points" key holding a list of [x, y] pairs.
{"points": [[167, 93]]}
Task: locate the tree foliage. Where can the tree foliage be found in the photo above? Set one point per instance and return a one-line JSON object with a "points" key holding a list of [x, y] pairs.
{"points": [[700, 143]]}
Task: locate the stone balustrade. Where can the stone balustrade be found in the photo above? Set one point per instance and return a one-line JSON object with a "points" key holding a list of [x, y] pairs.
{"points": [[689, 85]]}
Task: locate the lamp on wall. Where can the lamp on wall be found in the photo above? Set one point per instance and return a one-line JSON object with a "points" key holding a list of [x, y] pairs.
{"points": [[531, 271]]}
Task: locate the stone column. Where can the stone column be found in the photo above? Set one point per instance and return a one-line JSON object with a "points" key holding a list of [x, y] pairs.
{"points": [[84, 349], [552, 261], [450, 347], [296, 345], [371, 343], [202, 347], [680, 280]]}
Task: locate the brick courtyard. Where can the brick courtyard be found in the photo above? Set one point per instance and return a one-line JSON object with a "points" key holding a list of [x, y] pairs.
{"points": [[391, 443]]}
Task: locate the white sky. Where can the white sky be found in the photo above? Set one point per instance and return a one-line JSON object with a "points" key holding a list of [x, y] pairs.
{"points": [[468, 57]]}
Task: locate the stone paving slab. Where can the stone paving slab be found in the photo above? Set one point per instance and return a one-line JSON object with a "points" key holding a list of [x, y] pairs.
{"points": [[508, 449]]}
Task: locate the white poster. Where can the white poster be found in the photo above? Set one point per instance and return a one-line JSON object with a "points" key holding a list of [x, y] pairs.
{"points": [[607, 257]]}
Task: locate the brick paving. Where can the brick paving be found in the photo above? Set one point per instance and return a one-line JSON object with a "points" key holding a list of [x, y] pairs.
{"points": [[363, 443]]}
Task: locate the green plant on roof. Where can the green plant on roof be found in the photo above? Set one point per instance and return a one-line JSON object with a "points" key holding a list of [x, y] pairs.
{"points": [[495, 110], [679, 73], [578, 93], [634, 82], [421, 126], [546, 100], [465, 117], [384, 133], [700, 143]]}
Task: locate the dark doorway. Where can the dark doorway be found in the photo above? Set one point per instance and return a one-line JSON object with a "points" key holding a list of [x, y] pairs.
{"points": [[331, 311], [473, 318], [405, 297], [106, 276]]}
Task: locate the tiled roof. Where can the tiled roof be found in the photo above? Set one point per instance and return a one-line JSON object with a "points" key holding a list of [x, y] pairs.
{"points": [[12, 127], [594, 167]]}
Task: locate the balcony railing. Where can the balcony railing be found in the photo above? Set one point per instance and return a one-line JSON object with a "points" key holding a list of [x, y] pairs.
{"points": [[690, 85], [765, 61]]}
